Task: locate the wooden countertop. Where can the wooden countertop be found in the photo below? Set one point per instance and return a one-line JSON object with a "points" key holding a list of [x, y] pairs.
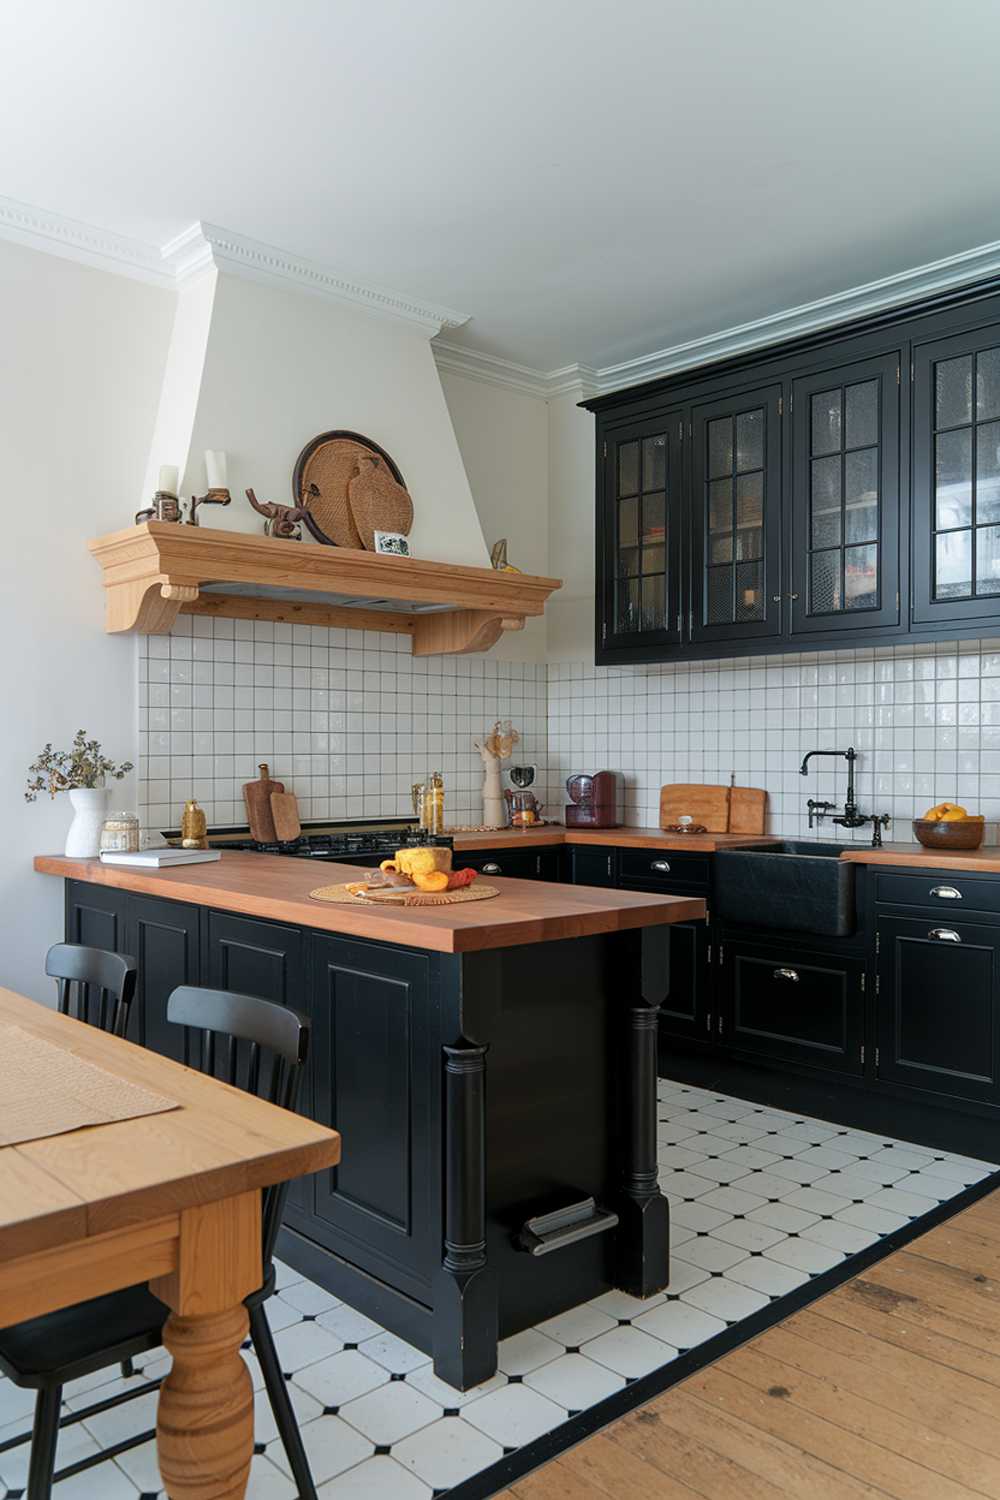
{"points": [[618, 838], [277, 888], [915, 857]]}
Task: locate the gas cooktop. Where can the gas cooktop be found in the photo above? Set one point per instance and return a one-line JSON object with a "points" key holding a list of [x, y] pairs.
{"points": [[336, 843]]}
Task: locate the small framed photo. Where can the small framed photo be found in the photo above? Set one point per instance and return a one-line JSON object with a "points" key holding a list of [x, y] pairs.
{"points": [[392, 542]]}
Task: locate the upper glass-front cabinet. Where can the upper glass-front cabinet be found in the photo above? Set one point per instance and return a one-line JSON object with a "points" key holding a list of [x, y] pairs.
{"points": [[956, 448], [844, 543], [735, 526], [642, 534]]}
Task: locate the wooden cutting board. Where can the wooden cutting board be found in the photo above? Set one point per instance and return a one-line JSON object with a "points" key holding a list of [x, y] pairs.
{"points": [[285, 812], [720, 809], [257, 799]]}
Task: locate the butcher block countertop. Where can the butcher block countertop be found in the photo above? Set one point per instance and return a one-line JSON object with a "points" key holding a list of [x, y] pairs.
{"points": [[277, 888], [618, 838], [914, 857]]}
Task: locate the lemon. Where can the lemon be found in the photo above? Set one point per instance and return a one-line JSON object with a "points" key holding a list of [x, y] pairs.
{"points": [[954, 815]]}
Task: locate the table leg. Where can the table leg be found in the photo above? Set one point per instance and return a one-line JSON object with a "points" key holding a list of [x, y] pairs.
{"points": [[204, 1427]]}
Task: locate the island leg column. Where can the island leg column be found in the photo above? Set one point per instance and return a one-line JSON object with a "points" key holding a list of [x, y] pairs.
{"points": [[465, 1293], [644, 1215]]}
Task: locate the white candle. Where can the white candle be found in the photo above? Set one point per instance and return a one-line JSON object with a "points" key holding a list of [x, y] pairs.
{"points": [[215, 468], [169, 476]]}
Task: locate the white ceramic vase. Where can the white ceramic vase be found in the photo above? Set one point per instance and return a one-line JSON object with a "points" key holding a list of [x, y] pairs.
{"points": [[89, 806]]}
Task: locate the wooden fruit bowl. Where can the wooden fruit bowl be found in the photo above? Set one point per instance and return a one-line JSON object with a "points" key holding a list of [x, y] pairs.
{"points": [[963, 833]]}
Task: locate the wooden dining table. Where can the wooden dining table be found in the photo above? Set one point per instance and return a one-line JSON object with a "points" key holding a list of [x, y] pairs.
{"points": [[172, 1199]]}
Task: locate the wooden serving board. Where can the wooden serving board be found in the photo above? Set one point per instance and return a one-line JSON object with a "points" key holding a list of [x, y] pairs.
{"points": [[257, 799], [285, 816], [721, 809]]}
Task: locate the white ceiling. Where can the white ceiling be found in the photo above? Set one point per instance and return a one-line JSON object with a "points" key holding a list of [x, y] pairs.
{"points": [[590, 181]]}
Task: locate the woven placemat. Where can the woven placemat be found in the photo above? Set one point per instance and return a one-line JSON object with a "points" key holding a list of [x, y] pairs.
{"points": [[48, 1091], [331, 467], [343, 894]]}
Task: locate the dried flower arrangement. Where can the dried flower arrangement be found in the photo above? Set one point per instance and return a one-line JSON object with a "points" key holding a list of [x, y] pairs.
{"points": [[83, 765]]}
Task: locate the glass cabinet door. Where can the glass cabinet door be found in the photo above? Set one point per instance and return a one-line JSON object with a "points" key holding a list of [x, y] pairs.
{"points": [[845, 498], [735, 525], [639, 600], [956, 478]]}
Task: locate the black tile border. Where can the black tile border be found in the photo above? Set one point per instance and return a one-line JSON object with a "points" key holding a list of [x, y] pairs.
{"points": [[514, 1466]]}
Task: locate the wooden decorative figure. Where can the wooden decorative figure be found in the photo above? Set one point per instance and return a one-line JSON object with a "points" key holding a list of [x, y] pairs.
{"points": [[495, 747]]}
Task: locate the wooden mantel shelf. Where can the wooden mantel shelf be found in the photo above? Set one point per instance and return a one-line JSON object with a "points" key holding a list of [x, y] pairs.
{"points": [[154, 571]]}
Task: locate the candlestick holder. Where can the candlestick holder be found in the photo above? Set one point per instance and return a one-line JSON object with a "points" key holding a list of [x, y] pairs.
{"points": [[213, 496], [165, 507]]}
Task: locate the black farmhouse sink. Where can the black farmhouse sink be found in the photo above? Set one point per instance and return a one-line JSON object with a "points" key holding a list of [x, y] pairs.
{"points": [[795, 885]]}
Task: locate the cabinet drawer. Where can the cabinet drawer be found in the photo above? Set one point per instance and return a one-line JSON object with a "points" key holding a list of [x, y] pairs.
{"points": [[659, 868], [940, 890], [786, 1004]]}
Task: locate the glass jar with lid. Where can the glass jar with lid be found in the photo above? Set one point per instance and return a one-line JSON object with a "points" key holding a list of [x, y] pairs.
{"points": [[120, 833]]}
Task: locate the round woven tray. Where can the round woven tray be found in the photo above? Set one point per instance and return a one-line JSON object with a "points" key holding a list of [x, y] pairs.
{"points": [[403, 897], [330, 461]]}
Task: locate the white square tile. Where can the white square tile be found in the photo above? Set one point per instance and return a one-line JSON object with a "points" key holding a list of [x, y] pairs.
{"points": [[863, 1216], [105, 1482], [928, 1185], [446, 1452], [680, 1324], [622, 1305], [629, 1352], [377, 1478], [717, 1169], [579, 1324], [267, 1482], [390, 1412], [331, 1445], [797, 1169], [698, 1216], [782, 1216], [723, 1298], [747, 1235], [526, 1351], [349, 1326], [900, 1200], [710, 1254], [734, 1200], [74, 1443], [750, 1158], [308, 1298], [814, 1200], [303, 1344], [394, 1353], [837, 1236], [340, 1378], [446, 1396], [766, 1276], [574, 1381], [804, 1255], [515, 1415], [961, 1170]]}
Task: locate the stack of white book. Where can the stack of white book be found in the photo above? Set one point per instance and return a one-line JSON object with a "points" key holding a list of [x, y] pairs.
{"points": [[162, 858]]}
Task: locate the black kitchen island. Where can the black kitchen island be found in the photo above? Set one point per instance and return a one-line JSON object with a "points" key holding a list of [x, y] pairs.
{"points": [[491, 1068]]}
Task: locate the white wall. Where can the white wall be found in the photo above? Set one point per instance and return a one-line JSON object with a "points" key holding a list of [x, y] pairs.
{"points": [[503, 436], [83, 356], [570, 613]]}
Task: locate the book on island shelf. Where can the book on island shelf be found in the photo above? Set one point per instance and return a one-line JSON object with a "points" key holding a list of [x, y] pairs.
{"points": [[162, 858]]}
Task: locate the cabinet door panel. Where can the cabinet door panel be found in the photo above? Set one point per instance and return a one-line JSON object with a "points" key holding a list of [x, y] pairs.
{"points": [[164, 936], [676, 973], [256, 958], [592, 864], [736, 517], [788, 1004], [375, 1080], [956, 478], [639, 543], [939, 985], [844, 498]]}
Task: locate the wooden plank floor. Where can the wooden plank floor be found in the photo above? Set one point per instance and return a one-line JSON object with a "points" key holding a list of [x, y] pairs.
{"points": [[888, 1386]]}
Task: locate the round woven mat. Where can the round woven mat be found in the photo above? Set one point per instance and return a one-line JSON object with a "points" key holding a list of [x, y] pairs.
{"points": [[341, 894], [331, 467]]}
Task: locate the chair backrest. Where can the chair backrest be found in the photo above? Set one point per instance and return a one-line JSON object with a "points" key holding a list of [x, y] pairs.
{"points": [[254, 1045], [94, 986]]}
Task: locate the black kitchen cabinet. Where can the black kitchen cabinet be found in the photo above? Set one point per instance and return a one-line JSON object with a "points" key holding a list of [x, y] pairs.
{"points": [[841, 486], [165, 939], [844, 498], [254, 957], [640, 575], [736, 518], [676, 973], [792, 1004], [592, 864], [95, 916], [939, 1004], [520, 864], [956, 478], [376, 1079]]}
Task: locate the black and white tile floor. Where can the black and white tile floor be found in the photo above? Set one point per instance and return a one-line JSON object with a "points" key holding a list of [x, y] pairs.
{"points": [[761, 1200]]}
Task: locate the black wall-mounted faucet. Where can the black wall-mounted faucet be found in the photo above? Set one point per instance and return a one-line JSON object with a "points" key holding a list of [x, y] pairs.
{"points": [[852, 816]]}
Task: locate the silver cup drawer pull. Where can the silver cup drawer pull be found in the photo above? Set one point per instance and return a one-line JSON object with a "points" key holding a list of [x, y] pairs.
{"points": [[661, 865], [792, 974], [946, 892], [944, 935], [492, 869]]}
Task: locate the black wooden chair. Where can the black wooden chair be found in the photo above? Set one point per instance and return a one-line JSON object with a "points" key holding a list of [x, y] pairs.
{"points": [[251, 1044], [94, 986]]}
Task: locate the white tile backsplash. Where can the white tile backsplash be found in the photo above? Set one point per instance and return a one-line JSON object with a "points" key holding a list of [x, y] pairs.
{"points": [[349, 720]]}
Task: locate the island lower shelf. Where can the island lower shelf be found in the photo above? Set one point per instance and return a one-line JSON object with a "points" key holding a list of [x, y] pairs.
{"points": [[473, 1091]]}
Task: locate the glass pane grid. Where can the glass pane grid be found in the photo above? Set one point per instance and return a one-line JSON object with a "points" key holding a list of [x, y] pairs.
{"points": [[844, 510], [642, 534], [967, 476], [734, 543]]}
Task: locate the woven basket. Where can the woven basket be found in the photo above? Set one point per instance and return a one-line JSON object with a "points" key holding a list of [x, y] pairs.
{"points": [[377, 502]]}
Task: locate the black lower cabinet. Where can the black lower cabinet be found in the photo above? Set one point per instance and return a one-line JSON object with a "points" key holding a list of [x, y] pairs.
{"points": [[517, 864], [375, 1073], [164, 937], [781, 1002], [939, 1005], [675, 969], [592, 864]]}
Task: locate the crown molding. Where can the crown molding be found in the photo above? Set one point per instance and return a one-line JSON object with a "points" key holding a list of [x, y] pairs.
{"points": [[874, 296], [203, 245], [72, 240]]}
